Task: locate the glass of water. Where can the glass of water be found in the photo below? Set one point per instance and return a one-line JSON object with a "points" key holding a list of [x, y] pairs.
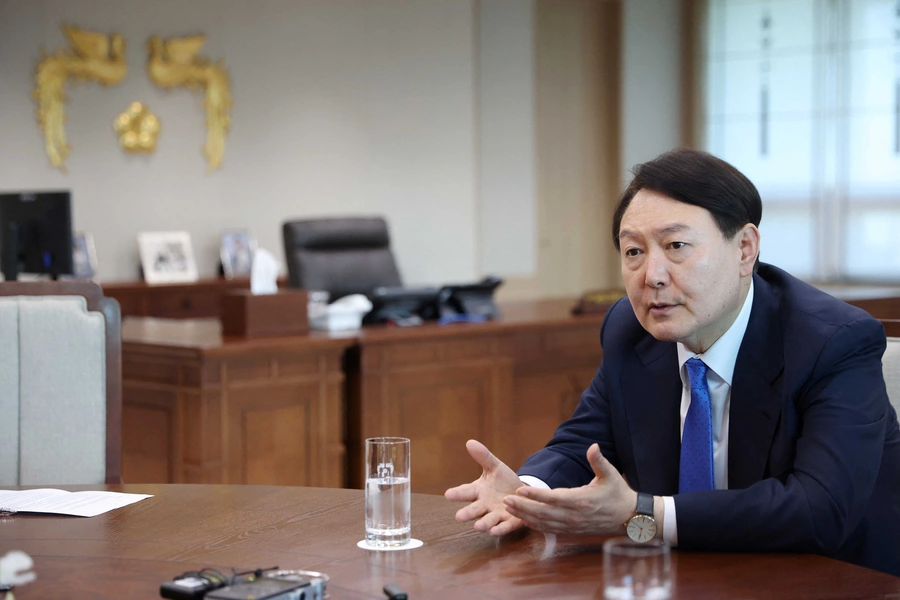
{"points": [[387, 491], [632, 570]]}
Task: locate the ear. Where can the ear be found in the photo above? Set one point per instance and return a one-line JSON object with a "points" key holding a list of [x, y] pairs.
{"points": [[748, 243]]}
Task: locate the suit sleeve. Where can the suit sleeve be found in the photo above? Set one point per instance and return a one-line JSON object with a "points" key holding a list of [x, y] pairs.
{"points": [[843, 413]]}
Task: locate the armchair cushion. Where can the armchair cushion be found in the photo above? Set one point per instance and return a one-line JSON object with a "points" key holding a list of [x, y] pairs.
{"points": [[61, 350], [9, 391]]}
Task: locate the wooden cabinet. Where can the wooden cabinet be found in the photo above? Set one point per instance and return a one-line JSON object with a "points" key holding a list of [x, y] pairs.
{"points": [[198, 408]]}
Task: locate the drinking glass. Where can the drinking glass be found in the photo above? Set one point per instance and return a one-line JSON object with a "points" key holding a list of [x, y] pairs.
{"points": [[387, 491], [632, 570]]}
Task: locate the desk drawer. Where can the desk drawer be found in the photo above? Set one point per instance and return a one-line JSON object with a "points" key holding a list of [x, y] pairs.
{"points": [[184, 304]]}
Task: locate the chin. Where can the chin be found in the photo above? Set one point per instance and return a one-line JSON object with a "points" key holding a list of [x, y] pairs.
{"points": [[664, 332]]}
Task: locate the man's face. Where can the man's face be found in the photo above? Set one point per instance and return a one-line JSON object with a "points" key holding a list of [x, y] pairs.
{"points": [[685, 281]]}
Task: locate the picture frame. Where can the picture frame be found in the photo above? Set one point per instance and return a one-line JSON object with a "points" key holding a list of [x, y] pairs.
{"points": [[84, 257], [167, 257], [236, 252]]}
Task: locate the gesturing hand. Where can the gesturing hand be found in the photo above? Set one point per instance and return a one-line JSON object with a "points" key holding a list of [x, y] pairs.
{"points": [[600, 507], [485, 494]]}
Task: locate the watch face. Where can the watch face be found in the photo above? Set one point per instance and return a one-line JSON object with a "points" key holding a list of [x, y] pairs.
{"points": [[641, 528]]}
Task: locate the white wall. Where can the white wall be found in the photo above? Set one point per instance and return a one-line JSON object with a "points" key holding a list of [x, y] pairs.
{"points": [[651, 80], [506, 117], [340, 107]]}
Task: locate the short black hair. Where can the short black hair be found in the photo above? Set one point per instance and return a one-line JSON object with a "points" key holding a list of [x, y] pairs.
{"points": [[698, 178]]}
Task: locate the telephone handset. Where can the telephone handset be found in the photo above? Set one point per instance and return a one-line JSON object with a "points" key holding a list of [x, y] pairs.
{"points": [[473, 299]]}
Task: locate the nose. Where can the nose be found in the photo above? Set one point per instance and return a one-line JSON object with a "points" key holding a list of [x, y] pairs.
{"points": [[657, 273]]}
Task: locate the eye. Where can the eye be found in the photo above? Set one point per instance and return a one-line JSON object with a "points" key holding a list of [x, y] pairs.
{"points": [[677, 245], [631, 252]]}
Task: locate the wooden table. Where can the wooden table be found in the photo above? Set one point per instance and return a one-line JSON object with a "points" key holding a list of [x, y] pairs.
{"points": [[129, 552], [202, 408]]}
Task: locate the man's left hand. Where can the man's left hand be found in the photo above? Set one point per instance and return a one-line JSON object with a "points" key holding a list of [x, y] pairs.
{"points": [[600, 507]]}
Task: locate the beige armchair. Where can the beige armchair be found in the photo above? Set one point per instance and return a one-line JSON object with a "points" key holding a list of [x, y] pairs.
{"points": [[60, 384]]}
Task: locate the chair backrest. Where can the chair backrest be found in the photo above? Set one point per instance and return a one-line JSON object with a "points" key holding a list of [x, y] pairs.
{"points": [[60, 384], [349, 255], [891, 361]]}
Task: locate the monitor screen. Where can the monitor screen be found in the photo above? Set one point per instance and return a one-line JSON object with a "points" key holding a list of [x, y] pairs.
{"points": [[36, 233]]}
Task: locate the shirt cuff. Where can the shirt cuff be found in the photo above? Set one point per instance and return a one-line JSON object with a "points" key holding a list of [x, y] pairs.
{"points": [[533, 482], [670, 526]]}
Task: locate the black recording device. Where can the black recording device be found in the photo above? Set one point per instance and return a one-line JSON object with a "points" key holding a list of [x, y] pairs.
{"points": [[209, 584]]}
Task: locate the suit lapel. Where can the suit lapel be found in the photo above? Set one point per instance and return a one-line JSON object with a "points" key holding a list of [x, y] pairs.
{"points": [[651, 389], [755, 395]]}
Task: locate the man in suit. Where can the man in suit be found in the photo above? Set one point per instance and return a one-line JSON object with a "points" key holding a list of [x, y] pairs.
{"points": [[736, 408]]}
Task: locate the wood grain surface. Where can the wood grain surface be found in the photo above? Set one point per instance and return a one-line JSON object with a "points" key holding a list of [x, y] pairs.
{"points": [[129, 552]]}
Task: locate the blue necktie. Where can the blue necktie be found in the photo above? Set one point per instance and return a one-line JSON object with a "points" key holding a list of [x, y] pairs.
{"points": [[696, 470]]}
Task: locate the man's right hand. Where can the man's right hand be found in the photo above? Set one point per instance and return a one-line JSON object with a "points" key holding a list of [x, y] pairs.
{"points": [[485, 494]]}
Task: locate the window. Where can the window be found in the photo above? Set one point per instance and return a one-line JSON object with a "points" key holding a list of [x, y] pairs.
{"points": [[803, 96]]}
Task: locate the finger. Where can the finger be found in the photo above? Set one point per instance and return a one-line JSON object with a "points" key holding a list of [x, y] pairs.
{"points": [[482, 455], [507, 526], [490, 520], [467, 492], [470, 512], [534, 517], [531, 510], [603, 469], [555, 497]]}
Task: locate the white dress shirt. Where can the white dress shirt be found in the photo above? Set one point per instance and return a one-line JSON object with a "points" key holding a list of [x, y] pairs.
{"points": [[719, 359]]}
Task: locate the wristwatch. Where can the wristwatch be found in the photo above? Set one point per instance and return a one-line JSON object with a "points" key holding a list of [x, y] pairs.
{"points": [[642, 526]]}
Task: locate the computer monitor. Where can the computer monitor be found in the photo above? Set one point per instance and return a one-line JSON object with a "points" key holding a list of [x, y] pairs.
{"points": [[36, 233]]}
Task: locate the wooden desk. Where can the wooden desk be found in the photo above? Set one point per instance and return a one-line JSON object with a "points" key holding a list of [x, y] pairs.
{"points": [[202, 409], [129, 552], [508, 383]]}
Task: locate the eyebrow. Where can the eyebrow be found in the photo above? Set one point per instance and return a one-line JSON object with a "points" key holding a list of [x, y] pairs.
{"points": [[673, 228]]}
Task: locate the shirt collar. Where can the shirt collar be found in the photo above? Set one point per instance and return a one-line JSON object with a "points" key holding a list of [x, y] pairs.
{"points": [[722, 355]]}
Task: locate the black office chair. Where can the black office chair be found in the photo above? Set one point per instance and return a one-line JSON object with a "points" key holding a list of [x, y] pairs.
{"points": [[345, 255]]}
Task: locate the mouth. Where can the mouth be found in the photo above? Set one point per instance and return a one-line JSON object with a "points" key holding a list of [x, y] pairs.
{"points": [[659, 309]]}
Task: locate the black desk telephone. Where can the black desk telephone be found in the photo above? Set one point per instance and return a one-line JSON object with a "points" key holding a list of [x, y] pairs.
{"points": [[405, 306], [475, 299]]}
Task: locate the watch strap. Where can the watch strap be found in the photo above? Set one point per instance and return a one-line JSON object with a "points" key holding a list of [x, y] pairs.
{"points": [[644, 504]]}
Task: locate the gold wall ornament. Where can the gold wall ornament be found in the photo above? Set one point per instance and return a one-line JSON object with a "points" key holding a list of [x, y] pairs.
{"points": [[174, 62], [138, 128], [93, 56]]}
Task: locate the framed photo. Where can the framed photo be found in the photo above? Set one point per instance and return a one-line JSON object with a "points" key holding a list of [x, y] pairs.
{"points": [[167, 257], [238, 249], [84, 257]]}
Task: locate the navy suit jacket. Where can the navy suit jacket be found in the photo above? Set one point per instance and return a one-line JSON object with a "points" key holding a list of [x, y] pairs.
{"points": [[813, 442]]}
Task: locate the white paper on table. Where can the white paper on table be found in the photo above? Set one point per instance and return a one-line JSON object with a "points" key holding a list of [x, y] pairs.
{"points": [[61, 502]]}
